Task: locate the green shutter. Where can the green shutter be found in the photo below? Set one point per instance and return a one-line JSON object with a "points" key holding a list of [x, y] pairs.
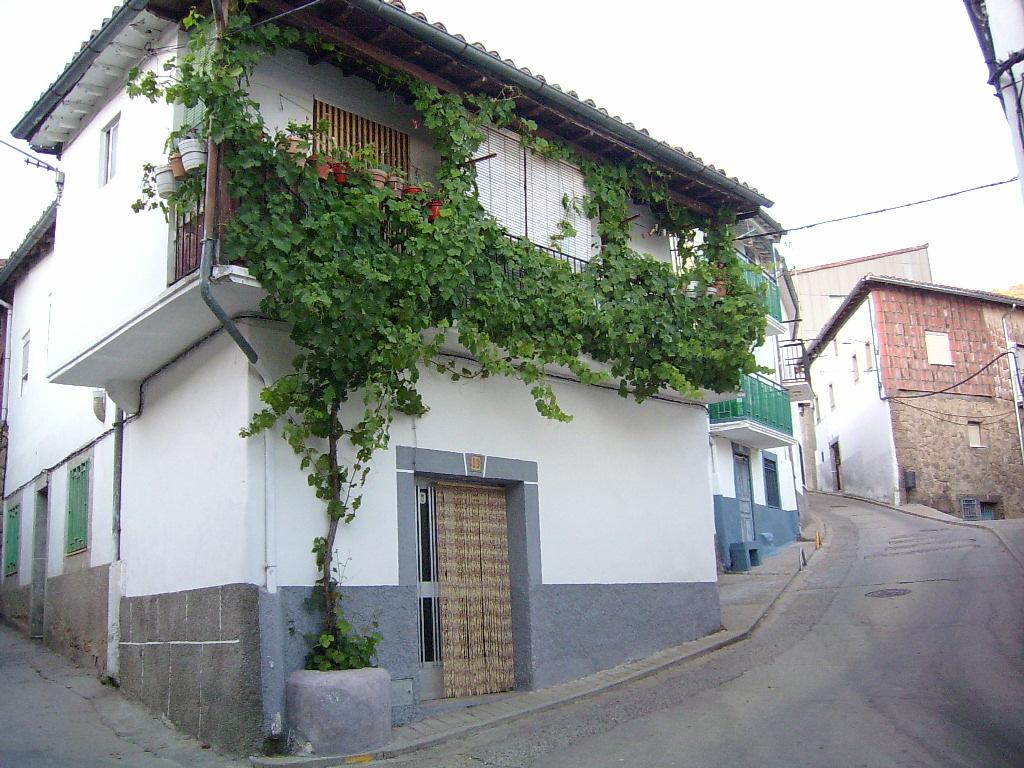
{"points": [[12, 539], [78, 508], [194, 115]]}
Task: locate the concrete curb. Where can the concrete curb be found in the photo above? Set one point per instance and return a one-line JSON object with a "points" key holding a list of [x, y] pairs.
{"points": [[952, 521], [385, 756]]}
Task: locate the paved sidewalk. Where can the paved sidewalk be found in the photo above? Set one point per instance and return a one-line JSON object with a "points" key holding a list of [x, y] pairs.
{"points": [[745, 598], [57, 715]]}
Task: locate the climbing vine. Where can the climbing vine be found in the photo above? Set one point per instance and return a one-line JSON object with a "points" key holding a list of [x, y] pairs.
{"points": [[370, 287]]}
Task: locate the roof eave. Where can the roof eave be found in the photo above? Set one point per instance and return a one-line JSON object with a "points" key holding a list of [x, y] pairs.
{"points": [[33, 120], [32, 239]]}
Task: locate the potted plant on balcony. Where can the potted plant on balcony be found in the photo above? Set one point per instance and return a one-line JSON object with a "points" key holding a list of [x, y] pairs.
{"points": [[163, 178], [294, 147], [193, 153], [434, 209], [177, 167]]}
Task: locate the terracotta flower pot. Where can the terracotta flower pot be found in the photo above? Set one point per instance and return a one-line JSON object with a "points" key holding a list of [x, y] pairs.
{"points": [[434, 210], [721, 288], [395, 182], [177, 167], [412, 191], [323, 166], [379, 177], [340, 171]]}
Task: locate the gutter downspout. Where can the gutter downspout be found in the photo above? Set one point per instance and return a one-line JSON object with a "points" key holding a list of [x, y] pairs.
{"points": [[268, 619], [7, 360], [116, 577]]}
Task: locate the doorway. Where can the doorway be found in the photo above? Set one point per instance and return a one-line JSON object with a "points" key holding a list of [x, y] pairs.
{"points": [[40, 536], [837, 465], [465, 602], [744, 491]]}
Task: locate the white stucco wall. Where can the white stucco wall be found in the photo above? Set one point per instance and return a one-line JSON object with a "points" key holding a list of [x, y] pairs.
{"points": [[186, 516], [110, 261], [861, 420], [625, 494]]}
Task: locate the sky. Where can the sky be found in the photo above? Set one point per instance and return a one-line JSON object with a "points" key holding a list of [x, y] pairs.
{"points": [[827, 108]]}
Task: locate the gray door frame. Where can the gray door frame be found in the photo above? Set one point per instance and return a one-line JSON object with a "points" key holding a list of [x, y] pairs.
{"points": [[744, 491], [40, 540]]}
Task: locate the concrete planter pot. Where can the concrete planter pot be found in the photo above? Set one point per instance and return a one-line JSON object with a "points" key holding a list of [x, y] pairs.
{"points": [[339, 713]]}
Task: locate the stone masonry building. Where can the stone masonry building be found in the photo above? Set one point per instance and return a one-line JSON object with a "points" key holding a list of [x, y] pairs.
{"points": [[919, 397]]}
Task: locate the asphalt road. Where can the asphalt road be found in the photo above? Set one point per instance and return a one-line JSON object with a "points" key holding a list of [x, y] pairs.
{"points": [[833, 677]]}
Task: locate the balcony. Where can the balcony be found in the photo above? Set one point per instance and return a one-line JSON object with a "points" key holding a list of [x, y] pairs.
{"points": [[755, 279], [796, 370], [761, 418]]}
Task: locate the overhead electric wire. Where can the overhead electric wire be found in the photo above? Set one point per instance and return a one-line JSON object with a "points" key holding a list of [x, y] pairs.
{"points": [[990, 418], [978, 372], [879, 210]]}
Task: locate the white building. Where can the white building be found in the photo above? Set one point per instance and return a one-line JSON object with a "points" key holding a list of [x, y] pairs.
{"points": [[755, 456], [177, 555]]}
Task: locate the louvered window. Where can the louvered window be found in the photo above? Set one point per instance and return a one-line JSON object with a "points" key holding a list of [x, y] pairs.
{"points": [[351, 131], [501, 181], [527, 193], [78, 508], [555, 192], [12, 539]]}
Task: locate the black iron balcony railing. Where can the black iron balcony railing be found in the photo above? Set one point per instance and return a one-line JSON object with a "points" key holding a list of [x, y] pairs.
{"points": [[576, 264], [794, 362], [188, 242]]}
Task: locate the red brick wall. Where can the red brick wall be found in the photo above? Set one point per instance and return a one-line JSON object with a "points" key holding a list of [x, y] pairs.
{"points": [[904, 314]]}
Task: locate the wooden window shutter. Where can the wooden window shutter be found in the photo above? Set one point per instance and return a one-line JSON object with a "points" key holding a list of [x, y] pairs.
{"points": [[78, 508], [351, 131], [12, 539]]}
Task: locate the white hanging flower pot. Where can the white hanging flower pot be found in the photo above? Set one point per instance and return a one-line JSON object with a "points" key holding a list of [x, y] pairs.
{"points": [[193, 153], [164, 180]]}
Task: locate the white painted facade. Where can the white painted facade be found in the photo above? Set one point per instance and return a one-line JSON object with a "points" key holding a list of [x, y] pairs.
{"points": [[850, 410], [193, 505]]}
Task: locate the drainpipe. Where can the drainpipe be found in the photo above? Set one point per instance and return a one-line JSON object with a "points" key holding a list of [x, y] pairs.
{"points": [[7, 359], [205, 290], [1016, 384], [118, 473]]}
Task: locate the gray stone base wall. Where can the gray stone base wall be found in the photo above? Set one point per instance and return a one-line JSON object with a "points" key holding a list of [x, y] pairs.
{"points": [[194, 657], [578, 629], [15, 602], [947, 468], [395, 612], [75, 616], [782, 524]]}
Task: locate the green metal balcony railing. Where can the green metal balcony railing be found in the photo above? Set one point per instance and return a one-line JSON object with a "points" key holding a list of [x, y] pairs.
{"points": [[755, 279], [763, 401]]}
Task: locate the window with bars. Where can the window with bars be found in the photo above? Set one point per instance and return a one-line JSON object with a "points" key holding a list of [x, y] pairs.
{"points": [[77, 537], [12, 539], [969, 509], [351, 131], [771, 483]]}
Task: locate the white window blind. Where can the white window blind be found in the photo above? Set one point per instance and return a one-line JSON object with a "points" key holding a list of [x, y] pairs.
{"points": [[549, 184], [500, 181]]}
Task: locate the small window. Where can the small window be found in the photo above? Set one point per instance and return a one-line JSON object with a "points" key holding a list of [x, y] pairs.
{"points": [[969, 509], [24, 360], [12, 539], [869, 358], [856, 369], [835, 347], [831, 397], [817, 410], [937, 345], [771, 483], [109, 151], [974, 434], [78, 508]]}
